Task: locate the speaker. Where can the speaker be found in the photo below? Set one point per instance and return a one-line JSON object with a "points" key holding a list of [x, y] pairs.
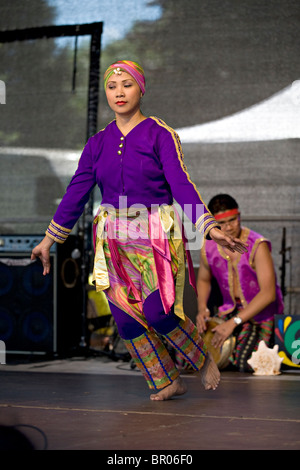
{"points": [[40, 314]]}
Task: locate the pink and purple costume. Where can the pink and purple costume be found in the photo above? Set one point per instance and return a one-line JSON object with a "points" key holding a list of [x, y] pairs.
{"points": [[242, 273], [139, 175]]}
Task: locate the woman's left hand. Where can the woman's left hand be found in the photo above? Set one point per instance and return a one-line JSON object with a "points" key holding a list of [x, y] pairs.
{"points": [[232, 244], [221, 333]]}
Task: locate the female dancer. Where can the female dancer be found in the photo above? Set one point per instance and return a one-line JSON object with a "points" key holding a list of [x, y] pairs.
{"points": [[140, 247]]}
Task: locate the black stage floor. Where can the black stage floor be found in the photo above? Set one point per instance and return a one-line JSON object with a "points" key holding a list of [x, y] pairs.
{"points": [[96, 404]]}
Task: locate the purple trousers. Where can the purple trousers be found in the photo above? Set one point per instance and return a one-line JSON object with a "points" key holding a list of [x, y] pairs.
{"points": [[155, 315]]}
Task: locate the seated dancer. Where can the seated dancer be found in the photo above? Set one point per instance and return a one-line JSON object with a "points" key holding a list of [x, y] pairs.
{"points": [[137, 162], [251, 296]]}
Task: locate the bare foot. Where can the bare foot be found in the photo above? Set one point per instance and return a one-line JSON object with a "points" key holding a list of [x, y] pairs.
{"points": [[210, 375], [177, 387]]}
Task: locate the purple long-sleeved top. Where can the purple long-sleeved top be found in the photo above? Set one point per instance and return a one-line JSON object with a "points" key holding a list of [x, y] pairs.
{"points": [[144, 167]]}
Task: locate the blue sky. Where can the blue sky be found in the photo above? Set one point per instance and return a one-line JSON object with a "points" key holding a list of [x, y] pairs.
{"points": [[118, 16]]}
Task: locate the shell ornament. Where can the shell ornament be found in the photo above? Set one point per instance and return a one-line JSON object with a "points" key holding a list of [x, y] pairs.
{"points": [[265, 361]]}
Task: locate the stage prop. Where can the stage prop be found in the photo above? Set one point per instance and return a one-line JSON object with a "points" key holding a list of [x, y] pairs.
{"points": [[265, 361], [287, 337], [39, 314]]}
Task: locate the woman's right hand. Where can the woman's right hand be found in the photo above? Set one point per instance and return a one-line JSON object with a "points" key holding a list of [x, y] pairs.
{"points": [[201, 319], [42, 251]]}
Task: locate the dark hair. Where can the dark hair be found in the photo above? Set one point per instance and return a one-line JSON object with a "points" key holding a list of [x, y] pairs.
{"points": [[221, 203]]}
